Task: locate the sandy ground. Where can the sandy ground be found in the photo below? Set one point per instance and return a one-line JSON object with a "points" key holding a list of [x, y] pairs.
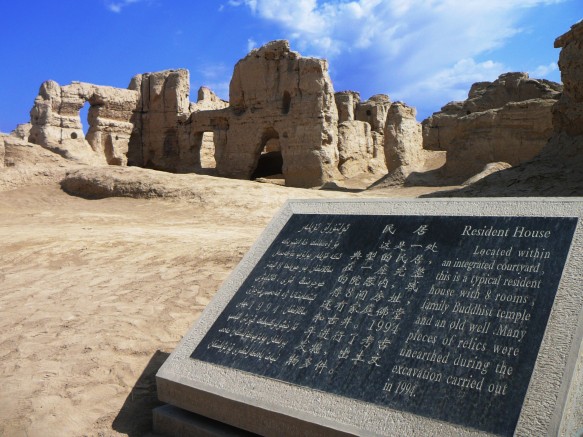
{"points": [[94, 295]]}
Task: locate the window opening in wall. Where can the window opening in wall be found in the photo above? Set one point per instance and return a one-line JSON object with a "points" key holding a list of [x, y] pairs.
{"points": [[84, 116], [286, 102]]}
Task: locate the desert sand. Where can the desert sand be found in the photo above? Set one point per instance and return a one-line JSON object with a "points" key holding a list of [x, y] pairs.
{"points": [[97, 293]]}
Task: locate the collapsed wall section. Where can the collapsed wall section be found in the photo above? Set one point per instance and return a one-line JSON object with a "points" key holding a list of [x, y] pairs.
{"points": [[361, 133], [56, 123], [568, 112], [508, 120], [162, 139]]}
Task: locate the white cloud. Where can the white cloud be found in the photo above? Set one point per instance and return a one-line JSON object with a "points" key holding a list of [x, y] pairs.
{"points": [[401, 45], [221, 88], [118, 6], [251, 44], [453, 83], [319, 26], [464, 72], [543, 71], [213, 71], [393, 26], [214, 76], [114, 7]]}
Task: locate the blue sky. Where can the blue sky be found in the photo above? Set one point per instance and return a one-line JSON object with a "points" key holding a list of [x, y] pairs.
{"points": [[423, 52]]}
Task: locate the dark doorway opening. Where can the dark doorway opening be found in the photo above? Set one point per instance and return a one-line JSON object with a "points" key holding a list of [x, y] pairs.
{"points": [[286, 103], [270, 162]]}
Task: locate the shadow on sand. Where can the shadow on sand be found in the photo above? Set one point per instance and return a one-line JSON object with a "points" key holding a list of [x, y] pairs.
{"points": [[135, 416]]}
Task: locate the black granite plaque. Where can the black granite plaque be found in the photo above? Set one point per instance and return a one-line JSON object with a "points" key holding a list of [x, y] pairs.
{"points": [[438, 316]]}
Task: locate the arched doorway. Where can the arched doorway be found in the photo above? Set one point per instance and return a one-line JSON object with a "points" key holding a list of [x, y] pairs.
{"points": [[270, 161]]}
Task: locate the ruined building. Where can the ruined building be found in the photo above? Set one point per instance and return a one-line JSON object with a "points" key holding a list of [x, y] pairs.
{"points": [[282, 113], [556, 170], [56, 125], [284, 118], [280, 104], [508, 120]]}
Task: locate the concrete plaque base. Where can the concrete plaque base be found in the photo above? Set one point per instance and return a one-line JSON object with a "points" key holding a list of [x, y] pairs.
{"points": [[173, 421]]}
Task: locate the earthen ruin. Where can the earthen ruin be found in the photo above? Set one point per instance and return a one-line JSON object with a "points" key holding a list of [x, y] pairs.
{"points": [[55, 123], [282, 112], [556, 170], [508, 120], [283, 119]]}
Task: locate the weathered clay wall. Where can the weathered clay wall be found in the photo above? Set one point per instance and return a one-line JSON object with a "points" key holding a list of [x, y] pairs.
{"points": [[361, 133], [275, 94], [374, 111], [568, 112], [163, 108], [358, 152], [514, 134], [508, 120], [207, 100], [208, 126], [408, 163], [346, 102], [56, 124], [283, 107], [16, 152], [2, 151], [403, 139]]}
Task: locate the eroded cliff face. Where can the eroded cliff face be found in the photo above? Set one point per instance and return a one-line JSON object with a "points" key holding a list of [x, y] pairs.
{"points": [[568, 112], [278, 96], [162, 140], [508, 120], [404, 152], [361, 133], [56, 124]]}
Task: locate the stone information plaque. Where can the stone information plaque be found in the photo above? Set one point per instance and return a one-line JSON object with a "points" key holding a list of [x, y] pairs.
{"points": [[440, 316]]}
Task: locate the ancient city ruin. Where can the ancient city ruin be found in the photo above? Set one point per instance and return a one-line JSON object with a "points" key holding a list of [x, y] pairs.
{"points": [[284, 119], [98, 292]]}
